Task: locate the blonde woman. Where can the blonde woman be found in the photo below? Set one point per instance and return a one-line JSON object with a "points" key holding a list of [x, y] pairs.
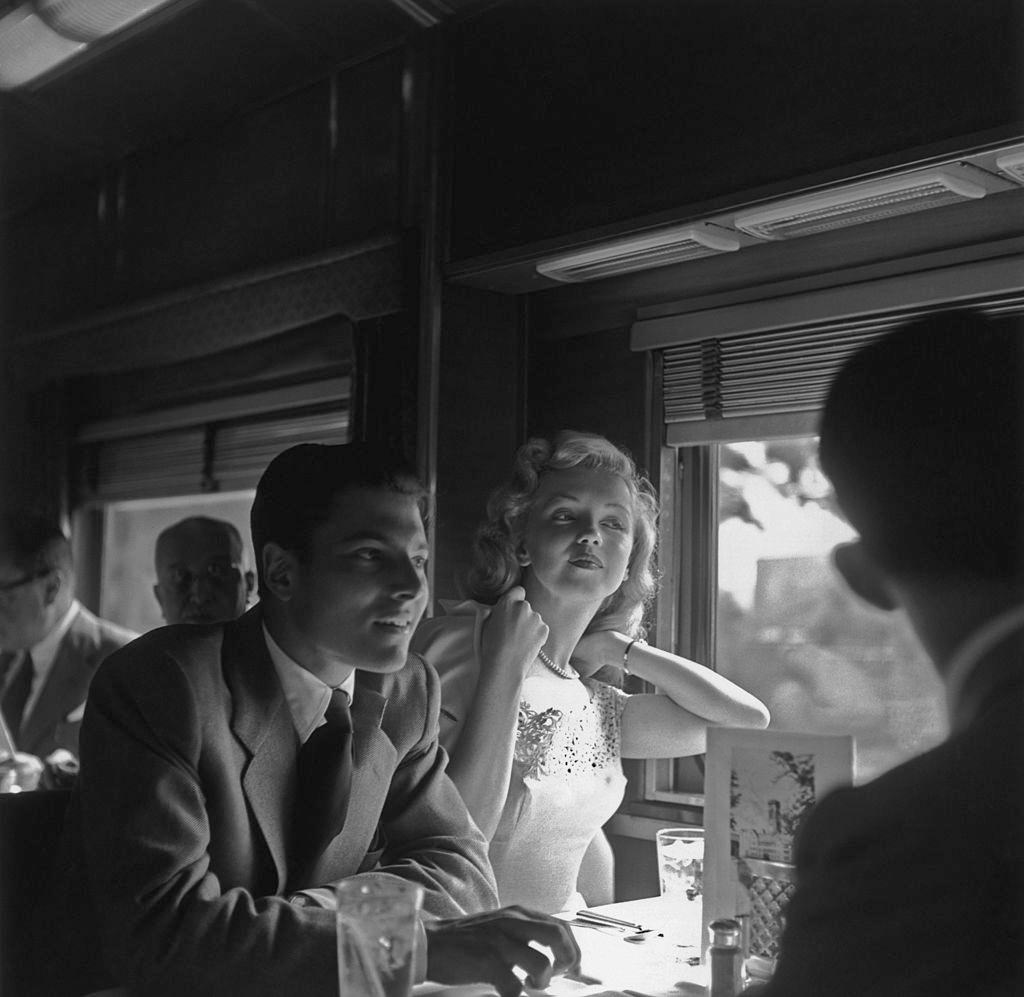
{"points": [[563, 569]]}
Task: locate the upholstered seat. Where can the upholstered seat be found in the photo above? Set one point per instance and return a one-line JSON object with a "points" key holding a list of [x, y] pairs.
{"points": [[38, 959]]}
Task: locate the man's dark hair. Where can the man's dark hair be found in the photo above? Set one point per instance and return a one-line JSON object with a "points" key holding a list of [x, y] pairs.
{"points": [[922, 437], [300, 485], [33, 542]]}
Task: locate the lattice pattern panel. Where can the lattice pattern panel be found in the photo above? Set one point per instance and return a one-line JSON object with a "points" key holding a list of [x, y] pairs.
{"points": [[769, 897]]}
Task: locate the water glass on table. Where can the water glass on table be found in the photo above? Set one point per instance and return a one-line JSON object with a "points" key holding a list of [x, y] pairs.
{"points": [[681, 861], [377, 931]]}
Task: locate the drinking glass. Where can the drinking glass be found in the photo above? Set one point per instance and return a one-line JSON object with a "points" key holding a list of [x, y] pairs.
{"points": [[681, 861], [377, 932]]}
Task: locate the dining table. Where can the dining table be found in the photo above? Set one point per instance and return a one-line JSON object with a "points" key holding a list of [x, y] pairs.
{"points": [[655, 953]]}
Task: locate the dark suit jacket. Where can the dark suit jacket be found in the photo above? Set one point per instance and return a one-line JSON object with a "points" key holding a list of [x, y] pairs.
{"points": [[913, 884], [184, 802], [56, 718]]}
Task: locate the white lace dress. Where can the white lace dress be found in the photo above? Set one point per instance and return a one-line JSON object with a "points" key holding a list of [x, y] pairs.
{"points": [[567, 775]]}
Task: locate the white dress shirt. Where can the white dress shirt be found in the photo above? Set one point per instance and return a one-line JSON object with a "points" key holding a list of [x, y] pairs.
{"points": [[308, 697]]}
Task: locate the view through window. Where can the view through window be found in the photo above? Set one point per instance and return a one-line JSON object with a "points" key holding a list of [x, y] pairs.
{"points": [[130, 530], [789, 630]]}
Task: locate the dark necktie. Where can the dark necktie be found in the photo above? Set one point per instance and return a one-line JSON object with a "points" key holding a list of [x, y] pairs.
{"points": [[325, 780], [16, 695]]}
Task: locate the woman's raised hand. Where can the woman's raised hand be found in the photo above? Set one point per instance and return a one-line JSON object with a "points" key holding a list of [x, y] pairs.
{"points": [[597, 649], [512, 635]]}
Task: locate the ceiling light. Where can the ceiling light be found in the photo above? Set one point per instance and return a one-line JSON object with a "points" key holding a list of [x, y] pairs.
{"points": [[93, 19], [1012, 164], [858, 203], [658, 249], [28, 48]]}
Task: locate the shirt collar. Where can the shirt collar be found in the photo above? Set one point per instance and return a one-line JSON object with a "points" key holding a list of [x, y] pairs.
{"points": [[306, 695], [965, 660]]}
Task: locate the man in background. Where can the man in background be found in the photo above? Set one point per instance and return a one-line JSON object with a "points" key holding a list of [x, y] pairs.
{"points": [[50, 645], [201, 570], [913, 884]]}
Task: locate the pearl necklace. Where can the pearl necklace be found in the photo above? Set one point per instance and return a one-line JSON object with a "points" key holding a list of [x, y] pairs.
{"points": [[562, 671]]}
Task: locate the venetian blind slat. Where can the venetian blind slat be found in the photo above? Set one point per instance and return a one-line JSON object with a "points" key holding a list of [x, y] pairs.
{"points": [[772, 381], [243, 451]]}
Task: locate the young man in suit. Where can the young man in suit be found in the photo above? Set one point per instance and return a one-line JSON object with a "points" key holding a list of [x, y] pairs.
{"points": [[50, 645], [201, 571], [210, 869], [913, 884]]}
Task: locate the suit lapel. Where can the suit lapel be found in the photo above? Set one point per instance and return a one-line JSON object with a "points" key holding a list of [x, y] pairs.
{"points": [[66, 684], [263, 723]]}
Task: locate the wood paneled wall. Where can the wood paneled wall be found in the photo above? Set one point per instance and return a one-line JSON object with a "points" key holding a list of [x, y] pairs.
{"points": [[481, 398], [294, 180], [570, 117]]}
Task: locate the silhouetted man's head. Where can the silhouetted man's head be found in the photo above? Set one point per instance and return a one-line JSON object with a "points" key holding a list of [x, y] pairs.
{"points": [[923, 438]]}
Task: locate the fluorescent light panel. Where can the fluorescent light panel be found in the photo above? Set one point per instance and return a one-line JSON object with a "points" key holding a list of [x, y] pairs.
{"points": [[28, 48], [858, 203], [658, 249], [1012, 164], [89, 20], [36, 38]]}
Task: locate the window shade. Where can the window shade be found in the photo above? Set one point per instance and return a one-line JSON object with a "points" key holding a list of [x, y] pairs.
{"points": [[241, 452], [755, 386], [221, 452], [168, 463], [773, 382]]}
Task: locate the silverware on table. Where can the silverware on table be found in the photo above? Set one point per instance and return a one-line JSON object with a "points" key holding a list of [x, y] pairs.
{"points": [[594, 917]]}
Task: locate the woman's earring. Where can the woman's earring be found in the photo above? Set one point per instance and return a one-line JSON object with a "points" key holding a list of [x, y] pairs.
{"points": [[625, 577]]}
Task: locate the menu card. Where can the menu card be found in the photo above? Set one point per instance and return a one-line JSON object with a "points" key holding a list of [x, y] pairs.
{"points": [[758, 787]]}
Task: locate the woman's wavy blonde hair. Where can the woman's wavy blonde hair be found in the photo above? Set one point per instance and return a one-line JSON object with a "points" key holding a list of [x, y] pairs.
{"points": [[496, 567]]}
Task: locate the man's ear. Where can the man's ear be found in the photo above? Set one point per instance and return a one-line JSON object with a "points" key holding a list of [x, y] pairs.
{"points": [[279, 570], [864, 576], [55, 580], [159, 600]]}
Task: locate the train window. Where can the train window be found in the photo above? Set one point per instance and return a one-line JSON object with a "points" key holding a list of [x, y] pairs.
{"points": [[130, 530], [783, 624], [137, 474]]}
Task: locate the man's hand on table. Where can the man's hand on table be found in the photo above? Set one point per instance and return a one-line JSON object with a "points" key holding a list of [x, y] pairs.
{"points": [[484, 948]]}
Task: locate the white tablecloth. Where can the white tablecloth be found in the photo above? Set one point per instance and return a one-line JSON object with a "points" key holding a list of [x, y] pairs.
{"points": [[657, 966]]}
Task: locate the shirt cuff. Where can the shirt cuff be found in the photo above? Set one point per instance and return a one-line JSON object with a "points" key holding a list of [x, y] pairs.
{"points": [[315, 896]]}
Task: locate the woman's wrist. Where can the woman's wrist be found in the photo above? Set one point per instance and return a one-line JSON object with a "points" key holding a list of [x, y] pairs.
{"points": [[630, 648], [503, 676]]}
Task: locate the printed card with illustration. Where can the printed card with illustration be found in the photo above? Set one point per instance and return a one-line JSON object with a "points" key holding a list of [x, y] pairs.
{"points": [[759, 785]]}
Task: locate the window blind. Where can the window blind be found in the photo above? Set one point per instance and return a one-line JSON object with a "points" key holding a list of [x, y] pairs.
{"points": [[755, 386], [221, 451], [169, 463], [773, 382], [242, 451]]}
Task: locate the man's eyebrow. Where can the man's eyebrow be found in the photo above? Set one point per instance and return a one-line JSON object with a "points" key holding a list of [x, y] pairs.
{"points": [[362, 535], [373, 535]]}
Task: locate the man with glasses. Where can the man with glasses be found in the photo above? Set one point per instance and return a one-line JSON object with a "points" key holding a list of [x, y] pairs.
{"points": [[50, 645], [201, 570]]}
